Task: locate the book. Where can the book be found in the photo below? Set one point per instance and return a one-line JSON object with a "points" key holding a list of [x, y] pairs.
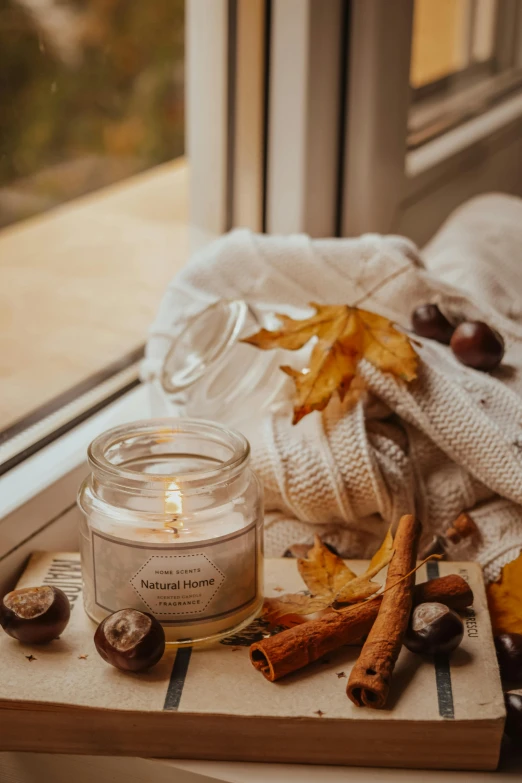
{"points": [[210, 703]]}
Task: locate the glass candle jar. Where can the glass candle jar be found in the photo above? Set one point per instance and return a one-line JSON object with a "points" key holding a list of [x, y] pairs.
{"points": [[209, 372], [172, 525]]}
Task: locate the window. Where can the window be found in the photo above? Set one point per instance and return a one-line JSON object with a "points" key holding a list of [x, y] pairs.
{"points": [[92, 93], [92, 200], [329, 118], [433, 108], [332, 117], [465, 59]]}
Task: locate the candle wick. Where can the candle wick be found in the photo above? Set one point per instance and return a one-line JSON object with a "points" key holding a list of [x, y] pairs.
{"points": [[171, 527]]}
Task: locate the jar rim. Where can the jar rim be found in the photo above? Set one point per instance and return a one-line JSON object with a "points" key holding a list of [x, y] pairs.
{"points": [[224, 320], [209, 430]]}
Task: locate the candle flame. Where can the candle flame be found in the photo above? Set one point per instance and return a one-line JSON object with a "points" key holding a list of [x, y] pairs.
{"points": [[173, 504]]}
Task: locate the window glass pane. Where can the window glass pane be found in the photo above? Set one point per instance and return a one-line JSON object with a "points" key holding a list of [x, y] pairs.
{"points": [[91, 92], [440, 43], [92, 192]]}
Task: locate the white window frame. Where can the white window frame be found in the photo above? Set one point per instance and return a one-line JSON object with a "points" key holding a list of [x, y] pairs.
{"points": [[304, 115], [388, 188], [377, 111], [264, 113], [310, 101]]}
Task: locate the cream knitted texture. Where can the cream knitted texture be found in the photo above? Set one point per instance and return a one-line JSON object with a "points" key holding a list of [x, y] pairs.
{"points": [[449, 441]]}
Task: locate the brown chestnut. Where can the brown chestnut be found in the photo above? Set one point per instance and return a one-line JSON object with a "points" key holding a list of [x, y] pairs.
{"points": [[434, 629], [130, 640], [428, 321], [513, 727], [509, 655], [35, 615], [477, 345]]}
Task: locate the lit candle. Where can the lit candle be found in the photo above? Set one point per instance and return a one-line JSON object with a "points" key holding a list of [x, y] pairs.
{"points": [[187, 549]]}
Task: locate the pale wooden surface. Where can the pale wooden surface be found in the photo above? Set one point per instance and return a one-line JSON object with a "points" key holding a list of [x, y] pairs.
{"points": [[80, 285]]}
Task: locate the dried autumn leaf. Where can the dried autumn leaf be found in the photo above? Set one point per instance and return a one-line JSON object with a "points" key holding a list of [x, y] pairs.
{"points": [[330, 580], [275, 609], [345, 335], [505, 599], [323, 572], [362, 586]]}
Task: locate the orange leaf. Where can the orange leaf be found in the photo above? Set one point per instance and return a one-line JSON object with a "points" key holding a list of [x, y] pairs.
{"points": [[505, 599], [345, 335], [293, 334], [386, 347], [330, 580], [323, 572], [362, 586]]}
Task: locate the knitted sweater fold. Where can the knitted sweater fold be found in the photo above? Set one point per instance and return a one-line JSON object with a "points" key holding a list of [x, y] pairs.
{"points": [[447, 442]]}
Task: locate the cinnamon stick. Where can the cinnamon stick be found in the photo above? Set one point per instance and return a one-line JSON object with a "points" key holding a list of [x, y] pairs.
{"points": [[369, 681], [291, 650]]}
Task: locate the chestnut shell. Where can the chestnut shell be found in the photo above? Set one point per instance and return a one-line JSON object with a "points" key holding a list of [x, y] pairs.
{"points": [[513, 727], [428, 321], [35, 615], [434, 629], [130, 640], [477, 345], [509, 655]]}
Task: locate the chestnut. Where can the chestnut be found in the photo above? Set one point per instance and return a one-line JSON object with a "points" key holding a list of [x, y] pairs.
{"points": [[509, 655], [428, 321], [434, 628], [513, 727], [130, 640], [477, 345], [35, 615]]}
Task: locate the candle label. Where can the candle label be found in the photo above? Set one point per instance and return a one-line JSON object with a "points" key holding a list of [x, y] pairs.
{"points": [[177, 584]]}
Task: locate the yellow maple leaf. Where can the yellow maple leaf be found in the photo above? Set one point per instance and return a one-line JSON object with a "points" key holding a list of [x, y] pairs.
{"points": [[345, 335], [323, 572], [362, 586], [330, 581]]}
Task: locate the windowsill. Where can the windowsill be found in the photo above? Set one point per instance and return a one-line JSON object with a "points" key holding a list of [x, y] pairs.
{"points": [[38, 497], [55, 461], [80, 285]]}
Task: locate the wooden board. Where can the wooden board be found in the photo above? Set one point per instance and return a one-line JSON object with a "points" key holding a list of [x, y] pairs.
{"points": [[211, 703]]}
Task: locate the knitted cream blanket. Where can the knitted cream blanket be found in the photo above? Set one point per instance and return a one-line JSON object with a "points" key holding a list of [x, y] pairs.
{"points": [[450, 441]]}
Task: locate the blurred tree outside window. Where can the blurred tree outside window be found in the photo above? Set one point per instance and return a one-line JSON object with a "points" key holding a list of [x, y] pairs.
{"points": [[91, 92]]}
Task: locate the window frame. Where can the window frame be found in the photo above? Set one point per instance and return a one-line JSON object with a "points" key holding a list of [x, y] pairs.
{"points": [[388, 188], [273, 86], [330, 88], [353, 172], [478, 87]]}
